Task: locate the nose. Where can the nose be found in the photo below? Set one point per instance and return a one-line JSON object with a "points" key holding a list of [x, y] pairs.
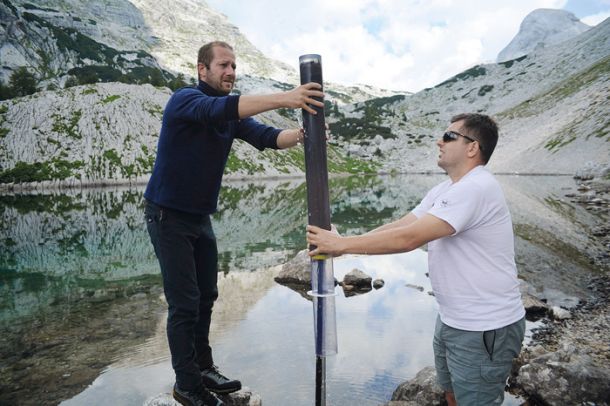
{"points": [[440, 142]]}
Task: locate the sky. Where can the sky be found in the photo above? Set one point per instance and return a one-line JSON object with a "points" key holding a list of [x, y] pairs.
{"points": [[405, 45]]}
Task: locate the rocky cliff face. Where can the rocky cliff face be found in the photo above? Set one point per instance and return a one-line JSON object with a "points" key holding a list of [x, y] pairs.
{"points": [[143, 41], [58, 40]]}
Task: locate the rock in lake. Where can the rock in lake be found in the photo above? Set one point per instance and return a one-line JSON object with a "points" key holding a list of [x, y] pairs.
{"points": [[243, 397], [378, 283], [421, 391], [297, 271], [358, 279]]}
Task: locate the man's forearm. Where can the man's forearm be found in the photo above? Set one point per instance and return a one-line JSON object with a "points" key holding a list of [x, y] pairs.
{"points": [[252, 105], [403, 221], [301, 97], [289, 138]]}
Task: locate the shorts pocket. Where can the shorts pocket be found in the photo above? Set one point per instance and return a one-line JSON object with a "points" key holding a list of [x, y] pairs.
{"points": [[495, 373]]}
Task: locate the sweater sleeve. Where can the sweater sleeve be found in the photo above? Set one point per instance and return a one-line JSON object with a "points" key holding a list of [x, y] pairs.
{"points": [[258, 135], [192, 105]]}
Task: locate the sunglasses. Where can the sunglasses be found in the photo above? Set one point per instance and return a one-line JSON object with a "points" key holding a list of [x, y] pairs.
{"points": [[452, 136]]}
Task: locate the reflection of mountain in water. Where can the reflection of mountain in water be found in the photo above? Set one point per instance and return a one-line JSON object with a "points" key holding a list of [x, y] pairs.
{"points": [[92, 243], [261, 224], [89, 234]]}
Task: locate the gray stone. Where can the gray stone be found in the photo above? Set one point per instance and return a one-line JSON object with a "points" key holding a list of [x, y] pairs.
{"points": [[378, 283], [533, 305], [244, 397], [297, 271], [357, 278], [423, 390], [559, 313], [565, 377]]}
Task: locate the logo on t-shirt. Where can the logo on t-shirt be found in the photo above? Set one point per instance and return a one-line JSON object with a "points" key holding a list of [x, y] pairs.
{"points": [[444, 203]]}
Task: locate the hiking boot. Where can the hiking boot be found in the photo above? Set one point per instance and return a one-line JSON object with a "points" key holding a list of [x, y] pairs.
{"points": [[217, 382], [197, 397]]}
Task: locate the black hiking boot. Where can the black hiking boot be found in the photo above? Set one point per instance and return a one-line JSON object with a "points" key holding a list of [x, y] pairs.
{"points": [[197, 397], [217, 382]]}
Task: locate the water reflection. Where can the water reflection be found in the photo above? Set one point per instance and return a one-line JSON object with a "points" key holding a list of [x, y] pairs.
{"points": [[76, 260], [70, 245], [384, 336]]}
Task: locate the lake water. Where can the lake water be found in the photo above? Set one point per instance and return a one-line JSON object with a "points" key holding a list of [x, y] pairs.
{"points": [[81, 306]]}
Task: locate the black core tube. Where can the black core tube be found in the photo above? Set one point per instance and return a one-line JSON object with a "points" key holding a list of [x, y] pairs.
{"points": [[318, 203], [316, 169]]}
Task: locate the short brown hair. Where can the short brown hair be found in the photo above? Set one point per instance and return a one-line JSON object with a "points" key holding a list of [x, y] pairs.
{"points": [[481, 127], [206, 52]]}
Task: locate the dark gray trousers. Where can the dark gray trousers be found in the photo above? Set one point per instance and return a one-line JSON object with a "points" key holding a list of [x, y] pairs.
{"points": [[185, 246]]}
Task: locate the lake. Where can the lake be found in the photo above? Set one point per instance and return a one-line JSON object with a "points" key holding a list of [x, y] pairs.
{"points": [[83, 318]]}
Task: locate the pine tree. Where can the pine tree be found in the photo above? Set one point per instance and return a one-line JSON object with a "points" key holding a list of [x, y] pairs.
{"points": [[22, 82]]}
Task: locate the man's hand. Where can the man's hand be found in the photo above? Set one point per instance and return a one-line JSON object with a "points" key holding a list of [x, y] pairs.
{"points": [[303, 96], [326, 242]]}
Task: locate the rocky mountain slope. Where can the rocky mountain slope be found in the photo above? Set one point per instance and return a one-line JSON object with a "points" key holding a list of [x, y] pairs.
{"points": [[56, 44], [552, 104], [134, 42], [540, 28], [108, 132]]}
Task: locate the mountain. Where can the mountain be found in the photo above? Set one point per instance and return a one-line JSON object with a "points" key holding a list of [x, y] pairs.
{"points": [[551, 104], [56, 44], [140, 41], [552, 107], [541, 28], [108, 132]]}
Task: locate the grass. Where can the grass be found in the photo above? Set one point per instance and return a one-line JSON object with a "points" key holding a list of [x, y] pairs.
{"points": [[110, 99]]}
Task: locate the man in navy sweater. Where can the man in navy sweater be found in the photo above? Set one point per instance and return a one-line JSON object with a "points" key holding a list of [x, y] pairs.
{"points": [[198, 129]]}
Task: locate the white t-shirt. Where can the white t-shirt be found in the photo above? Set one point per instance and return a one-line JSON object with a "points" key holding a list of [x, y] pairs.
{"points": [[473, 272]]}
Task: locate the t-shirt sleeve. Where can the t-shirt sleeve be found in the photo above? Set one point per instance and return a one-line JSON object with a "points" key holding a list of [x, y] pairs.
{"points": [[458, 205], [426, 203]]}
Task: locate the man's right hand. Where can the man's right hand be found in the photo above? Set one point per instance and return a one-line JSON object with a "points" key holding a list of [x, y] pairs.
{"points": [[303, 96]]}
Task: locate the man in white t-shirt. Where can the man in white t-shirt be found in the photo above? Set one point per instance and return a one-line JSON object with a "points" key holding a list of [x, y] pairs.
{"points": [[466, 223]]}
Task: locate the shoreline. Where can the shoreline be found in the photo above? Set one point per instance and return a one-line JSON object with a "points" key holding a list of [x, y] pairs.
{"points": [[76, 184]]}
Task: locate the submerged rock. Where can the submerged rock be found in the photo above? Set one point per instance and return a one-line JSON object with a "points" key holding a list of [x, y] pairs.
{"points": [[420, 288]]}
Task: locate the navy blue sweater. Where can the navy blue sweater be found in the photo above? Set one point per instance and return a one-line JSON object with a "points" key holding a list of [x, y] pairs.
{"points": [[197, 132]]}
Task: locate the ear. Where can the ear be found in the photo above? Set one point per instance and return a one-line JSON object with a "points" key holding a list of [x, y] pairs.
{"points": [[202, 71], [473, 149]]}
